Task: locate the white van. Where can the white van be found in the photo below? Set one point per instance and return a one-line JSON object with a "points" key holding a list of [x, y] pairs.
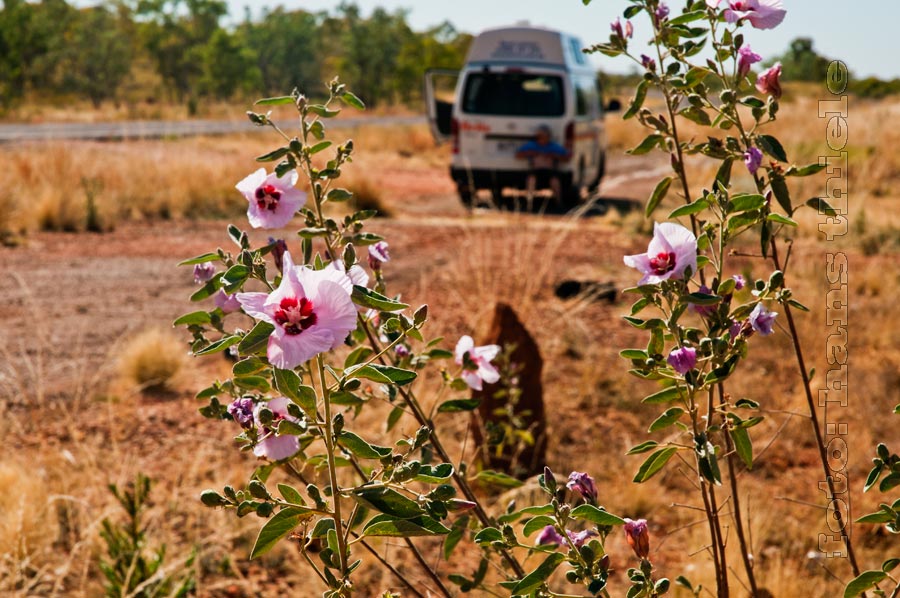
{"points": [[515, 80]]}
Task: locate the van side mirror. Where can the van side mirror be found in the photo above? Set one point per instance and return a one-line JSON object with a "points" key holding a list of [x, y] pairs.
{"points": [[613, 105]]}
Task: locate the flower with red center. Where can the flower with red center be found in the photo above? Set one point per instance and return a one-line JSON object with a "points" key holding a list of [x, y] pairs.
{"points": [[670, 253], [638, 536], [476, 362], [769, 82], [273, 200], [311, 311], [762, 14], [746, 58], [270, 445]]}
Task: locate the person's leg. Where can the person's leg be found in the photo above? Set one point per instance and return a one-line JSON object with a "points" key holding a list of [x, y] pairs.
{"points": [[530, 185], [556, 187]]}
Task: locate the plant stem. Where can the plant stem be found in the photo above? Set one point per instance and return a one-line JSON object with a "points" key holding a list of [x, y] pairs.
{"points": [[428, 569], [328, 437], [392, 569], [814, 420], [419, 414], [739, 524]]}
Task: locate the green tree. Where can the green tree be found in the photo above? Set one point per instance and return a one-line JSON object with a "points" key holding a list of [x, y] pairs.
{"points": [[229, 66], [174, 32], [802, 63], [32, 36], [439, 47], [97, 55], [286, 48]]}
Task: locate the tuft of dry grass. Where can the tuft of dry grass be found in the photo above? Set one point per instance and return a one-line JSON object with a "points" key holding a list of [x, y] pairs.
{"points": [[152, 360]]}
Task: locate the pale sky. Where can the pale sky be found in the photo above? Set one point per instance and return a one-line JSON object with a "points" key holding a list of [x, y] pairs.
{"points": [[862, 33]]}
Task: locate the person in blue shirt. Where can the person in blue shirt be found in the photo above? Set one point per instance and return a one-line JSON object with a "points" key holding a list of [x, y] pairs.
{"points": [[544, 157]]}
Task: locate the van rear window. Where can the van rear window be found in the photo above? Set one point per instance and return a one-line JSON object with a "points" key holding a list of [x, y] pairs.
{"points": [[514, 94]]}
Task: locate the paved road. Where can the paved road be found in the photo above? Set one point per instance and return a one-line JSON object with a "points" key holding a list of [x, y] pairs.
{"points": [[156, 129]]}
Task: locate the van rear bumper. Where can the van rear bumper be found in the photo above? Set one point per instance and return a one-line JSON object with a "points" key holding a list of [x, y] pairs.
{"points": [[474, 179]]}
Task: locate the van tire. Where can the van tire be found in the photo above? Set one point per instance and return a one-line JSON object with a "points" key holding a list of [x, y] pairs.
{"points": [[465, 196], [594, 185]]}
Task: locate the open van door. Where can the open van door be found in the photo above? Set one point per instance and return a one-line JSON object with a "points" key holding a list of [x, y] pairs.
{"points": [[440, 85]]}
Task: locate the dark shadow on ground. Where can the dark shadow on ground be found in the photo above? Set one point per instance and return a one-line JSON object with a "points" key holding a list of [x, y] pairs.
{"points": [[597, 205]]}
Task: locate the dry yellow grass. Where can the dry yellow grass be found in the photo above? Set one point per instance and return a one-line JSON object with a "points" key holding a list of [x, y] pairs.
{"points": [[45, 186], [152, 360]]}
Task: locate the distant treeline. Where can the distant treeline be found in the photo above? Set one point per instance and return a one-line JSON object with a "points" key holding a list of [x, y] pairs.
{"points": [[182, 50]]}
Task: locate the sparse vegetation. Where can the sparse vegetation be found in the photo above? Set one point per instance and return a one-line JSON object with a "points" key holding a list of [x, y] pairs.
{"points": [[152, 360]]}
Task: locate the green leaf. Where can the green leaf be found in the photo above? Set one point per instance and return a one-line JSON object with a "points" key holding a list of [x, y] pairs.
{"points": [[253, 383], [701, 299], [640, 95], [666, 395], [350, 99], [771, 146], [220, 345], [649, 142], [644, 447], [457, 405], [743, 446], [322, 111], [821, 206], [235, 277], [536, 523], [809, 170], [890, 564], [782, 194], [273, 155], [596, 515], [388, 501], [360, 448], [195, 318], [276, 528], [338, 195], [290, 385], [321, 146], [201, 259], [745, 202], [488, 534], [884, 516], [291, 494], [659, 192], [386, 526], [497, 479], [537, 577], [248, 366], [781, 219], [723, 175], [457, 531], [688, 17], [639, 354], [209, 289], [383, 374], [434, 474], [368, 298], [654, 463], [865, 581], [691, 208], [276, 101], [668, 418]]}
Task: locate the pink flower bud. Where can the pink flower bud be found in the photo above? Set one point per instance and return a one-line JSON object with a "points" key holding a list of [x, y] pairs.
{"points": [[769, 82], [638, 537], [584, 485]]}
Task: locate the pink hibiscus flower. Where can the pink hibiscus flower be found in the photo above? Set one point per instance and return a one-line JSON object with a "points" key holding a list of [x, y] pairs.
{"points": [[746, 58], [311, 310], [270, 445], [762, 14], [480, 358], [672, 250], [273, 200]]}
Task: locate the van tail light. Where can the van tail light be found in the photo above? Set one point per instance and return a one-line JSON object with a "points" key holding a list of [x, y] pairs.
{"points": [[454, 134], [570, 137]]}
